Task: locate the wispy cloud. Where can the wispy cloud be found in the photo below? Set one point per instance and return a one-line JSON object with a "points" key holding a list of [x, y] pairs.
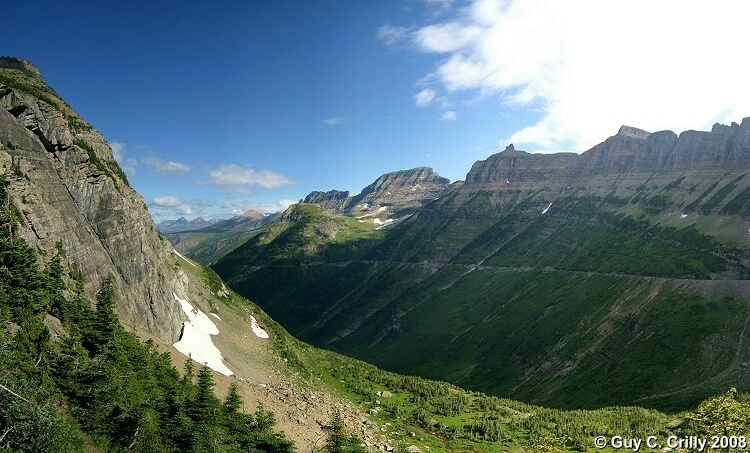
{"points": [[450, 115], [130, 164], [235, 177], [589, 66], [394, 37], [424, 97], [334, 121], [166, 167]]}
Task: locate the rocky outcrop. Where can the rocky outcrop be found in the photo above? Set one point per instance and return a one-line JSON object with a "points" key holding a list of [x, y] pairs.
{"points": [[77, 204], [21, 65]]}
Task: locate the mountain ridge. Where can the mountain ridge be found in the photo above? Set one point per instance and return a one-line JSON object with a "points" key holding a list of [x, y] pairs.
{"points": [[629, 150], [633, 225]]}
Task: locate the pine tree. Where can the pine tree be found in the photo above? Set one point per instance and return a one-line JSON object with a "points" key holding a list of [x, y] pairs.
{"points": [[104, 323], [206, 405], [338, 441], [233, 401]]}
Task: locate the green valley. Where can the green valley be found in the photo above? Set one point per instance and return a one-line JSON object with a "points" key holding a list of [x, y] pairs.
{"points": [[575, 281]]}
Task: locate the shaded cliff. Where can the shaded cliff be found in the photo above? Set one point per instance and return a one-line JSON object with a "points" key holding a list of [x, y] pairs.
{"points": [[76, 202]]}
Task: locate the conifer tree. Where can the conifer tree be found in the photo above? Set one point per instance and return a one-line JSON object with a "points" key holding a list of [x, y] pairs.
{"points": [[206, 403], [105, 320], [233, 401]]}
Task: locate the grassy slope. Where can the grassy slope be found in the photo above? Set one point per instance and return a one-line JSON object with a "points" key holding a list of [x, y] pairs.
{"points": [[566, 307], [436, 415]]}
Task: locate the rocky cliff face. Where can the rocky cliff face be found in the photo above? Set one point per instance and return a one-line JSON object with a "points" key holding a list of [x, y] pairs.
{"points": [[511, 168], [333, 200], [631, 150], [398, 192], [76, 202]]}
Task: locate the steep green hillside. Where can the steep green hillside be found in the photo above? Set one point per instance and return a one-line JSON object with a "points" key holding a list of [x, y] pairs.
{"points": [[595, 288]]}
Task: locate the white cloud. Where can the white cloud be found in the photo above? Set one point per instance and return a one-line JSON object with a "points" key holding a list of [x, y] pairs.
{"points": [[333, 121], [235, 177], [170, 205], [450, 115], [590, 66], [166, 167], [167, 201], [424, 97]]}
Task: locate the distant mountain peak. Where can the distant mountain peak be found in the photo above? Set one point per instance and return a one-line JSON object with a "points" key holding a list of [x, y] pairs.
{"points": [[251, 214]]}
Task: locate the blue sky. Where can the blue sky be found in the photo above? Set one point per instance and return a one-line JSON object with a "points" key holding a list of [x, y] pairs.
{"points": [[214, 108]]}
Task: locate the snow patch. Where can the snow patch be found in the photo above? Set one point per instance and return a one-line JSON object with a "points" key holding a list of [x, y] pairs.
{"points": [[195, 340], [381, 209], [216, 316], [547, 209], [257, 330], [180, 255], [384, 224], [682, 216]]}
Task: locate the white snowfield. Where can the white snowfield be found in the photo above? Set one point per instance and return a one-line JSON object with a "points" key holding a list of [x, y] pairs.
{"points": [[180, 255], [257, 330], [195, 341], [547, 209]]}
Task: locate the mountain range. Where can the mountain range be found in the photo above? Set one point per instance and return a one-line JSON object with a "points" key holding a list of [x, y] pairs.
{"points": [[574, 280], [183, 224], [614, 276]]}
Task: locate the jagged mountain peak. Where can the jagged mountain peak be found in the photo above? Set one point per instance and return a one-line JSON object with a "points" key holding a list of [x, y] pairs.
{"points": [[398, 193]]}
